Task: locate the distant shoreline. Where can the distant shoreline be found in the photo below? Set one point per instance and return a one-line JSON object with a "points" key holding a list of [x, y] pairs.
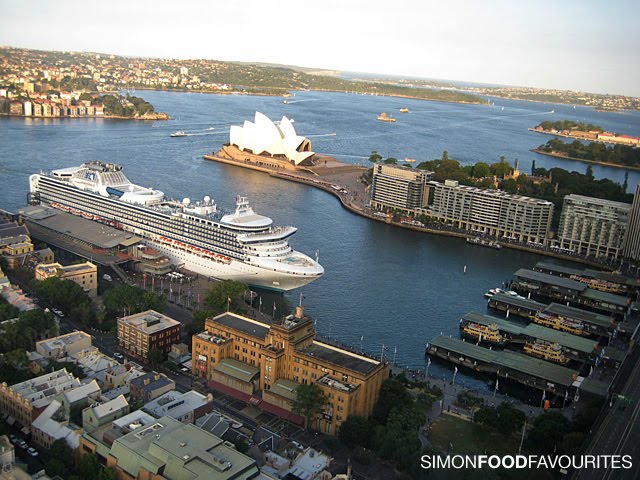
{"points": [[566, 157], [162, 116]]}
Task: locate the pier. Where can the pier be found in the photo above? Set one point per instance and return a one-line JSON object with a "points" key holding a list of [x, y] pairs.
{"points": [[530, 372], [573, 347]]}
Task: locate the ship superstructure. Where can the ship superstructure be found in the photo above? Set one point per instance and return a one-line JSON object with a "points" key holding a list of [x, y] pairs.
{"points": [[241, 245]]}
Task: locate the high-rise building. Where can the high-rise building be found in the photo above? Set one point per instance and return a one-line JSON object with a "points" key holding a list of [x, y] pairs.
{"points": [[592, 226], [399, 187], [631, 248], [490, 212]]}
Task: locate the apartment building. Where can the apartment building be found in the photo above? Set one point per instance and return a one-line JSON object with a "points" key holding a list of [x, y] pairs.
{"points": [[631, 248], [249, 359], [592, 226], [144, 331], [399, 187]]}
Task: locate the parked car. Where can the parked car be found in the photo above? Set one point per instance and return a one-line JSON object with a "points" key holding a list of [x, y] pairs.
{"points": [[32, 451], [13, 439], [118, 356], [22, 444]]}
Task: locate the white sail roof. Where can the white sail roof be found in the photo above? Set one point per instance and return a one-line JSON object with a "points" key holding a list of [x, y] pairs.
{"points": [[264, 136]]}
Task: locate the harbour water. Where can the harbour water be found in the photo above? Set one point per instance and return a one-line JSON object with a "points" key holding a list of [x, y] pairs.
{"points": [[384, 285]]}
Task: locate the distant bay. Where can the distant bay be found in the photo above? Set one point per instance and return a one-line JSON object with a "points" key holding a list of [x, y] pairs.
{"points": [[382, 284]]}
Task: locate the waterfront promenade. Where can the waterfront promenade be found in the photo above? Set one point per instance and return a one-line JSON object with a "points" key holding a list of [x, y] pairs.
{"points": [[345, 182]]}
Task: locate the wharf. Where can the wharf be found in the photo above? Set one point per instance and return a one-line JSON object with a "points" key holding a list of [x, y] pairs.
{"points": [[564, 289], [573, 346], [517, 305], [528, 371]]}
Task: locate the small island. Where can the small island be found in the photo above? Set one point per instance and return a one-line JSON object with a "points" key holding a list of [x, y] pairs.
{"points": [[584, 131], [621, 156]]}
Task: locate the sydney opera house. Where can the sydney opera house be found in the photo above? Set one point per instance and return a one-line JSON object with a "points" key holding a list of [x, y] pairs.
{"points": [[268, 143]]}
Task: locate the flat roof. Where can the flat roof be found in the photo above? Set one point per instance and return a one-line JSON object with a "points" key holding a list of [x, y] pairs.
{"points": [[550, 280], [149, 321], [518, 301], [88, 231], [604, 297], [579, 314], [243, 324], [613, 277], [552, 267], [62, 341], [574, 342], [285, 388], [516, 361], [237, 369], [340, 357]]}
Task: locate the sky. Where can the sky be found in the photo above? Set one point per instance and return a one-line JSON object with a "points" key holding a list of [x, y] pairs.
{"points": [[585, 45]]}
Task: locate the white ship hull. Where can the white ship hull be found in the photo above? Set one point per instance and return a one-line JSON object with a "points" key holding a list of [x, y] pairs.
{"points": [[249, 274]]}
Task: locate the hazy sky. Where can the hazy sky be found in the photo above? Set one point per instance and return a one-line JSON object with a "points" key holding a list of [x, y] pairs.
{"points": [[588, 45]]}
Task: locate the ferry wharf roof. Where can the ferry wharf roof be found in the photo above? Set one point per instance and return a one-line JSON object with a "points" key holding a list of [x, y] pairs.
{"points": [[552, 280], [518, 302], [522, 363], [579, 314], [242, 324], [339, 357], [605, 298], [548, 267], [535, 331]]}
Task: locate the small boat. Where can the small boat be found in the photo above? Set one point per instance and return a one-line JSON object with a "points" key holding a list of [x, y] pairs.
{"points": [[409, 160], [383, 117], [179, 134], [404, 110], [484, 243], [492, 292]]}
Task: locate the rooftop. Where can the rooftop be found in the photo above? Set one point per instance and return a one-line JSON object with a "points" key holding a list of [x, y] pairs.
{"points": [[553, 280], [103, 409], [285, 388], [519, 302], [57, 430], [237, 369], [81, 392], [149, 321], [175, 404], [552, 267], [243, 324], [61, 343], [180, 451], [42, 389], [340, 357], [606, 298], [155, 381], [516, 361], [579, 314]]}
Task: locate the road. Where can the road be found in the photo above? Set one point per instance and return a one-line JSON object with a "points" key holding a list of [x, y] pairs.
{"points": [[619, 434]]}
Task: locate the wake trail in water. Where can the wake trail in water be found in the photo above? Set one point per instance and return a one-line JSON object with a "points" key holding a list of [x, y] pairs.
{"points": [[322, 134]]}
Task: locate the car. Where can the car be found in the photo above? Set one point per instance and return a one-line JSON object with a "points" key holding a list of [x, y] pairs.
{"points": [[13, 439], [185, 369], [32, 451], [118, 356], [22, 444]]}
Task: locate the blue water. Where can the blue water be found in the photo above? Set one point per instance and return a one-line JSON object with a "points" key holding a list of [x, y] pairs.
{"points": [[392, 286]]}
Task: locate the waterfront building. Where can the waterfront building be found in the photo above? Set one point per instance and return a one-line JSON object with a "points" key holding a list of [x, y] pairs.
{"points": [[631, 249], [264, 137], [25, 401], [171, 450], [84, 274], [144, 331], [64, 345], [592, 226], [399, 187], [490, 212], [248, 359]]}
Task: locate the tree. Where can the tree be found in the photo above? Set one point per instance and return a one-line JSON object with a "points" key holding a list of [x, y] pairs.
{"points": [[128, 299], [548, 431], [509, 185], [501, 168], [356, 430], [375, 157], [481, 170], [391, 161], [533, 167], [218, 296], [108, 473], [308, 402], [392, 393], [445, 156], [88, 467], [155, 356], [589, 172]]}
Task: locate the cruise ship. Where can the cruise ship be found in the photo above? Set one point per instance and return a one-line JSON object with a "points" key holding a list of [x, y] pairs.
{"points": [[240, 245]]}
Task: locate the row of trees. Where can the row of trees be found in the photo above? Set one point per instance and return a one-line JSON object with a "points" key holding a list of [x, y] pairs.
{"points": [[63, 463], [597, 152], [570, 125]]}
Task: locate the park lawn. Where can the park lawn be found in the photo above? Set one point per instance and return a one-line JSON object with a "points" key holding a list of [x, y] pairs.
{"points": [[469, 438]]}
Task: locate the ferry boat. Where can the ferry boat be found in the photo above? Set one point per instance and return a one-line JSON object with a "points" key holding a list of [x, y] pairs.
{"points": [[493, 291], [241, 245], [179, 134], [483, 333], [558, 323], [484, 243], [383, 117], [551, 352], [404, 110]]}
